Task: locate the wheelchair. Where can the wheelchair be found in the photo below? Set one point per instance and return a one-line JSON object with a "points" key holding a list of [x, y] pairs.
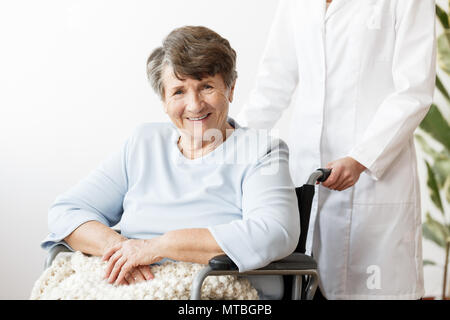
{"points": [[299, 270]]}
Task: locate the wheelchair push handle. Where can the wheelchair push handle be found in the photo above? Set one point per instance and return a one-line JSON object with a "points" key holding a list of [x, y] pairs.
{"points": [[320, 175], [326, 174]]}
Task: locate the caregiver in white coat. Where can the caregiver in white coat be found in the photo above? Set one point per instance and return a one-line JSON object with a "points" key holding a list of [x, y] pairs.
{"points": [[364, 71]]}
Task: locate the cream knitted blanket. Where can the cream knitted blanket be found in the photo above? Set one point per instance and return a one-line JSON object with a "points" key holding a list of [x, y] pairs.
{"points": [[77, 276]]}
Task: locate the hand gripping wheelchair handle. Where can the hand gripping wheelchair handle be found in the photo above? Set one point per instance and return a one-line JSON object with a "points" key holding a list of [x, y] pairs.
{"points": [[325, 174], [320, 175]]}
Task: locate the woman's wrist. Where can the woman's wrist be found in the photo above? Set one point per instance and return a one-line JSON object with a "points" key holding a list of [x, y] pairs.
{"points": [[112, 241], [157, 247]]}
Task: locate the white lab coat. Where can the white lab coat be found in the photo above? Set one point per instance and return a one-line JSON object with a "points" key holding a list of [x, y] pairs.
{"points": [[364, 71]]}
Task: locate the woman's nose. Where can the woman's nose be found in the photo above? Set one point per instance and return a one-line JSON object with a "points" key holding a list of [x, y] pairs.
{"points": [[195, 103]]}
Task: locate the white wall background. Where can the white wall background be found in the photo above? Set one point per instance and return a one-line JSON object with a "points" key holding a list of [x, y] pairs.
{"points": [[73, 86]]}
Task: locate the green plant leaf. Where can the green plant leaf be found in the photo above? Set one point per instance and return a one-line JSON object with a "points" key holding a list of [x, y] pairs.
{"points": [[429, 234], [441, 169], [441, 160], [437, 126], [428, 263], [442, 88], [426, 147], [433, 188], [443, 54], [435, 231], [447, 192], [442, 16]]}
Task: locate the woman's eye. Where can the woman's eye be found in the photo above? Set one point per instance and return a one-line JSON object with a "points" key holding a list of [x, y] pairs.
{"points": [[177, 92], [207, 86]]}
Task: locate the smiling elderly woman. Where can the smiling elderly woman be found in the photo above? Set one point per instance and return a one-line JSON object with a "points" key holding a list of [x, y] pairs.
{"points": [[189, 190]]}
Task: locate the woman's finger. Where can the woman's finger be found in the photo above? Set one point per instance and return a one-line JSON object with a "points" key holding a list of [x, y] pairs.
{"points": [[112, 261], [108, 254], [126, 268], [116, 270], [111, 251], [129, 278], [137, 275], [147, 272], [124, 282]]}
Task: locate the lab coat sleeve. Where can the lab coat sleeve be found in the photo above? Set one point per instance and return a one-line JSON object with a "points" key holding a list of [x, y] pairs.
{"points": [[277, 76], [414, 70], [270, 227], [98, 197]]}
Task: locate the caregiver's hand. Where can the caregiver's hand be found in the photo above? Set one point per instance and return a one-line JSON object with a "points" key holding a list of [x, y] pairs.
{"points": [[125, 257], [344, 174]]}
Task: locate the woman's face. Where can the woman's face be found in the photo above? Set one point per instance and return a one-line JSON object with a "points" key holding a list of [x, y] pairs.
{"points": [[195, 106]]}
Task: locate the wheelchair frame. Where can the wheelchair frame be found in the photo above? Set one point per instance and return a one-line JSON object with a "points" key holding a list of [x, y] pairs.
{"points": [[298, 264]]}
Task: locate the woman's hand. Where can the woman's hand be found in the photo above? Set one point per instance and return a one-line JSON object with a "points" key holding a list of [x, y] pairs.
{"points": [[344, 174], [127, 259], [137, 274]]}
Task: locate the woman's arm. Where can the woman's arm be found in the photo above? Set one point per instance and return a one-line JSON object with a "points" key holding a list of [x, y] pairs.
{"points": [[190, 245], [93, 238]]}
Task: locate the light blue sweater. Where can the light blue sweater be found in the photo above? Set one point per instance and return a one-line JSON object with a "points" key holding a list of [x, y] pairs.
{"points": [[242, 192]]}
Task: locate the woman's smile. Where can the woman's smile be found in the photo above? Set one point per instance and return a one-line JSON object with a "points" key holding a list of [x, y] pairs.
{"points": [[199, 118]]}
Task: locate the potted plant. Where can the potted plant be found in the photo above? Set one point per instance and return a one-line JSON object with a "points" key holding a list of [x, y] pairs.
{"points": [[434, 139]]}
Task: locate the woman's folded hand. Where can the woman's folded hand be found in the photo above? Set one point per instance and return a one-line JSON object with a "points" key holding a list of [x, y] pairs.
{"points": [[136, 275], [129, 260]]}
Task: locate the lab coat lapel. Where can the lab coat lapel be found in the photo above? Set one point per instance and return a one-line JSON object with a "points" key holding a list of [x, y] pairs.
{"points": [[335, 6]]}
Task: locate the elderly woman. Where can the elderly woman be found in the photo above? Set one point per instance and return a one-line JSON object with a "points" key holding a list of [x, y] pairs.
{"points": [[189, 190]]}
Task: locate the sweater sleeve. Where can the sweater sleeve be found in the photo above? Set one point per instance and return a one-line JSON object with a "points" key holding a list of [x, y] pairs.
{"points": [[270, 227], [98, 197]]}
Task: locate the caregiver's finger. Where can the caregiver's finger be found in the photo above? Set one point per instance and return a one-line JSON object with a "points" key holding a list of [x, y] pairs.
{"points": [[347, 185], [116, 270], [338, 178], [333, 178], [344, 184], [335, 183]]}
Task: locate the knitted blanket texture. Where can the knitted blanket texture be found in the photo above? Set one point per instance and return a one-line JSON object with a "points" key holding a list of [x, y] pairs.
{"points": [[74, 276]]}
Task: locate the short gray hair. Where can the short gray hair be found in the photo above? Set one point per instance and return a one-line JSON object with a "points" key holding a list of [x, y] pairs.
{"points": [[192, 51]]}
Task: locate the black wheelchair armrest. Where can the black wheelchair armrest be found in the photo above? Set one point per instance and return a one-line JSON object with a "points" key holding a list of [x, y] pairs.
{"points": [[296, 261], [222, 262]]}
